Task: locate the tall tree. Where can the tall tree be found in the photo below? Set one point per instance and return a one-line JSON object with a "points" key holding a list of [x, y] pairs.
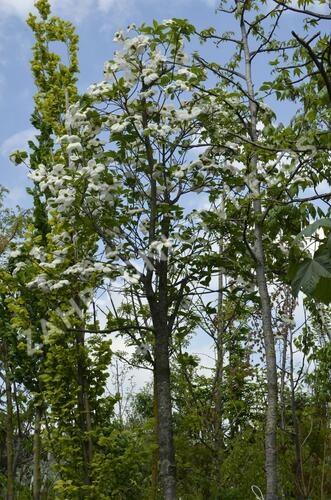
{"points": [[135, 205]]}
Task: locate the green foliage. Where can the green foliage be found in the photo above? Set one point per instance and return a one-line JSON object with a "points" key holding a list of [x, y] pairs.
{"points": [[122, 465], [110, 204], [312, 275], [54, 79]]}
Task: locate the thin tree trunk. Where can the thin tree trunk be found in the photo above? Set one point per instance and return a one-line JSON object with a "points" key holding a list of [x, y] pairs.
{"points": [[218, 398], [282, 381], [269, 344], [119, 392], [19, 436], [296, 431], [271, 417], [158, 303], [37, 455], [9, 430], [155, 460], [282, 401], [164, 407], [84, 410]]}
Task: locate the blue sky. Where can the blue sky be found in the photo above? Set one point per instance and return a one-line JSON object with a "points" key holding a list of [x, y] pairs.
{"points": [[96, 21]]}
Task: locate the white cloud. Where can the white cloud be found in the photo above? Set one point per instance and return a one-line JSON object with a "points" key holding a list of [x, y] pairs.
{"points": [[16, 8], [77, 10], [212, 3], [73, 9], [17, 141], [17, 196], [106, 5], [21, 8]]}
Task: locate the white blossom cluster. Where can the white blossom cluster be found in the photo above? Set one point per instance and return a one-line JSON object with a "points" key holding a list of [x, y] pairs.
{"points": [[85, 183]]}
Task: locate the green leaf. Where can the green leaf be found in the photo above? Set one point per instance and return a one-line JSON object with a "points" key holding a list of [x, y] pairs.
{"points": [[323, 291], [310, 230], [309, 273]]}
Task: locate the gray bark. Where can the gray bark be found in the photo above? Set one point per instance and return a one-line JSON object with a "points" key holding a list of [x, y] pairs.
{"points": [[164, 407], [271, 416], [296, 430], [84, 410], [269, 344], [155, 462], [218, 396], [37, 456], [158, 303], [9, 430]]}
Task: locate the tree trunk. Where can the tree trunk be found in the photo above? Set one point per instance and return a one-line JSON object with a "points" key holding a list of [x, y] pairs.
{"points": [[296, 431], [155, 462], [282, 402], [37, 455], [218, 395], [269, 344], [164, 407], [158, 303], [259, 257], [84, 410], [9, 430], [119, 392]]}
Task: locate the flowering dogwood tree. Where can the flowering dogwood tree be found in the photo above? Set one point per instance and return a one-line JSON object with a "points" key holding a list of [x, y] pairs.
{"points": [[147, 184], [120, 177]]}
